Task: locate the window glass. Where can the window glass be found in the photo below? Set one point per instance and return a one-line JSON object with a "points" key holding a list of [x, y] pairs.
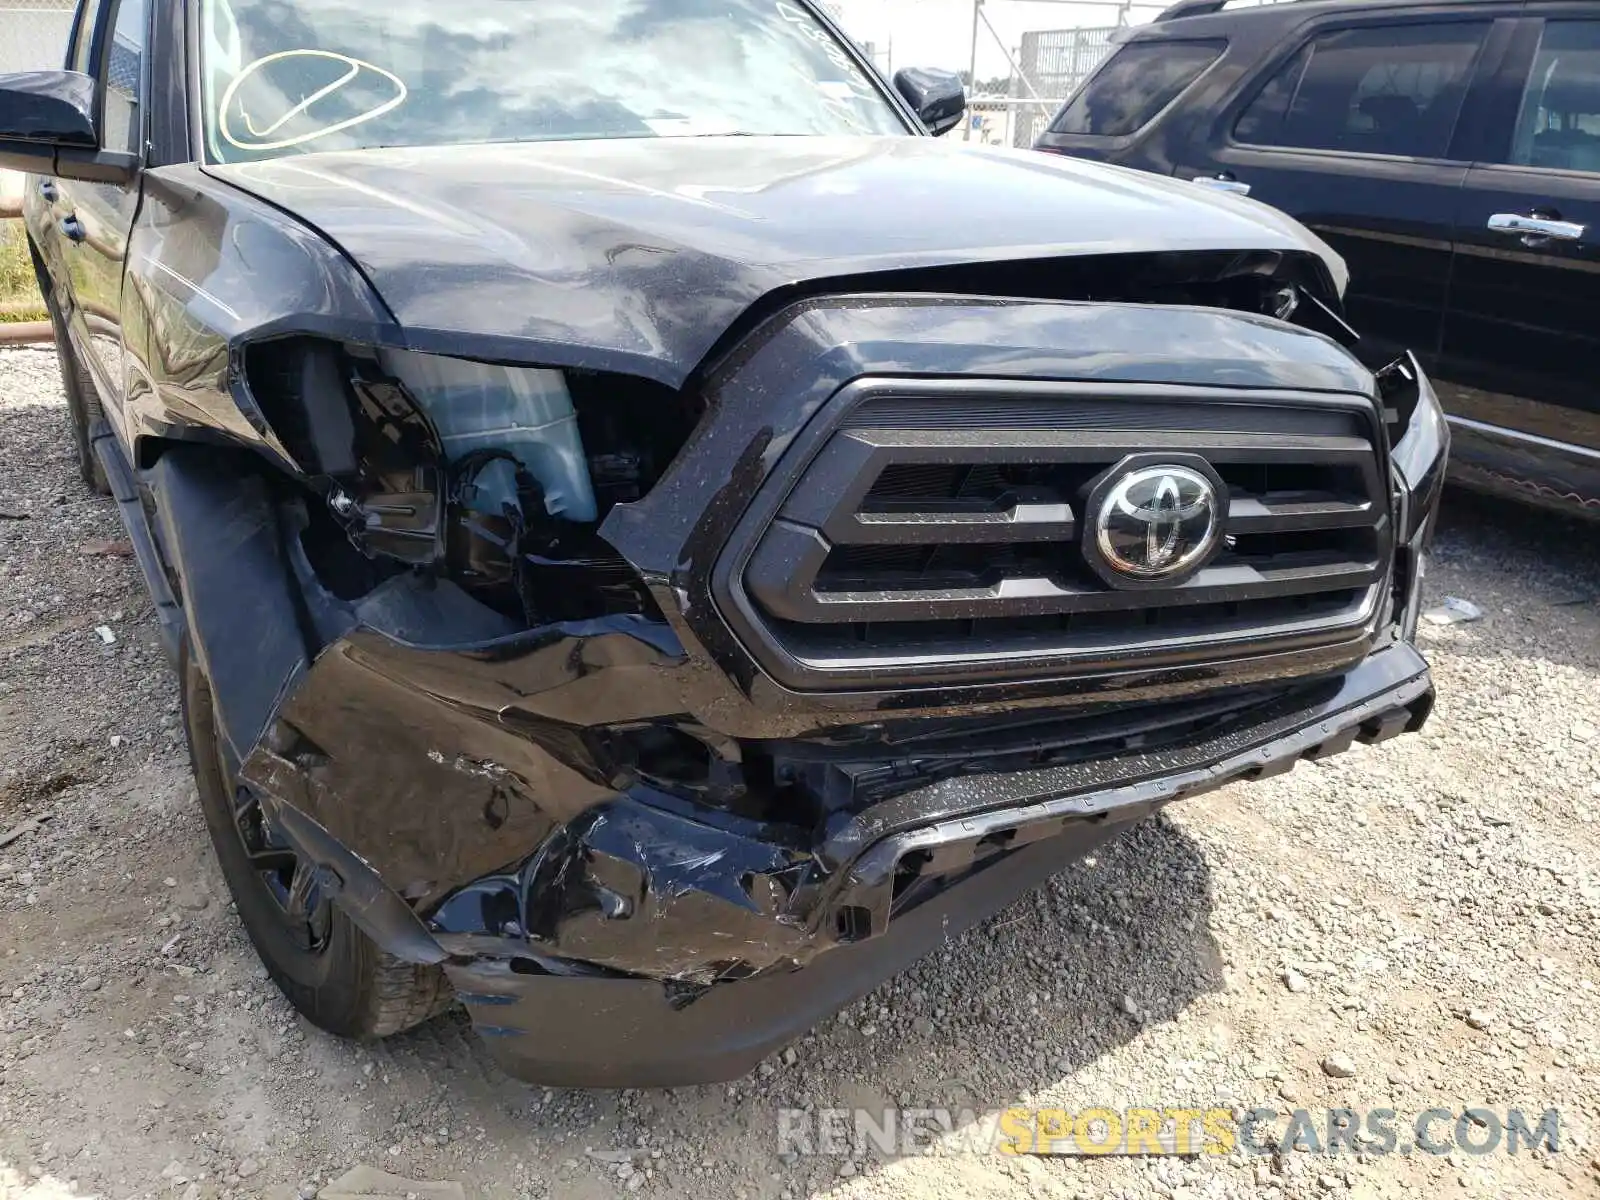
{"points": [[1262, 122], [1383, 89], [296, 76], [124, 72], [84, 42], [1558, 124], [1135, 84]]}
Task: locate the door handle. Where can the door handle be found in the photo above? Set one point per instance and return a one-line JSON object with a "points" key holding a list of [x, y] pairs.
{"points": [[73, 229], [48, 191], [1222, 182], [1536, 230]]}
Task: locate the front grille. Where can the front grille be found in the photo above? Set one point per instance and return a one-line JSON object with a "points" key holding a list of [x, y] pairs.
{"points": [[932, 527]]}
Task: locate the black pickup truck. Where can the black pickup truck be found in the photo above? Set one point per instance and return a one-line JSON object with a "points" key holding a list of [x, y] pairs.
{"points": [[650, 551]]}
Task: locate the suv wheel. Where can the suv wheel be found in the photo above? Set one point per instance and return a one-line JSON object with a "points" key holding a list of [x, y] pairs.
{"points": [[83, 404], [330, 970]]}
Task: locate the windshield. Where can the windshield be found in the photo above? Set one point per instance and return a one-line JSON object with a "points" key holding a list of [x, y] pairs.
{"points": [[295, 76]]}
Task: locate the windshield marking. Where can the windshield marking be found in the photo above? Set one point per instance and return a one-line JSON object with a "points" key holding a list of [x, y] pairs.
{"points": [[285, 77], [258, 134], [356, 66]]}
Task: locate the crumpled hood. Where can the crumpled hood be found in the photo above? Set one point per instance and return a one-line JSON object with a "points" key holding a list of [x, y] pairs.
{"points": [[638, 254]]}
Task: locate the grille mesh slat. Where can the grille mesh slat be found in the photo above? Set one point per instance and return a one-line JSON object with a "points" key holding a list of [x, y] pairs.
{"points": [[942, 529], [1135, 414]]}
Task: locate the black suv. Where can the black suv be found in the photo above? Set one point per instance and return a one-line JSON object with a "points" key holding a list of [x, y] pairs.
{"points": [[637, 560], [1450, 152]]}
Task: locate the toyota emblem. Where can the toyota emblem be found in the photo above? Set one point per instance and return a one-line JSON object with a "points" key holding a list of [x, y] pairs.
{"points": [[1157, 524]]}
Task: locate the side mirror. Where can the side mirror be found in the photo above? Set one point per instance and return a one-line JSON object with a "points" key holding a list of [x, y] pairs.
{"points": [[47, 127], [937, 97]]}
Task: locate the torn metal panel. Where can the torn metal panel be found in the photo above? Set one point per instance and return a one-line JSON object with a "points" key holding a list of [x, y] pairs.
{"points": [[220, 537], [598, 1031], [345, 878], [374, 754], [210, 268], [648, 892], [632, 879]]}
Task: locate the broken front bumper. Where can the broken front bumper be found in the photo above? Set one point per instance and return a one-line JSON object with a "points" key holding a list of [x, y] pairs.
{"points": [[658, 895]]}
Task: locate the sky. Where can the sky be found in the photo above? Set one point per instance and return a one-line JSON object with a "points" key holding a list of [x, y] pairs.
{"points": [[938, 33]]}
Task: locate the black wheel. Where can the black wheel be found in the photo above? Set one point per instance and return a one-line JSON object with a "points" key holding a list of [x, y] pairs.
{"points": [[329, 969], [83, 404]]}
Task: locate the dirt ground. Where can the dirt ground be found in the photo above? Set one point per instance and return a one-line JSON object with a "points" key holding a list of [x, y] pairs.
{"points": [[1408, 926]]}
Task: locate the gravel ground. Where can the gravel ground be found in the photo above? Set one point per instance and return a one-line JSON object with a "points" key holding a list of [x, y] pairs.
{"points": [[1406, 926]]}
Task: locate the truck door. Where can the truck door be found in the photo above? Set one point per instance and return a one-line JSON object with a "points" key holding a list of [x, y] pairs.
{"points": [[93, 220]]}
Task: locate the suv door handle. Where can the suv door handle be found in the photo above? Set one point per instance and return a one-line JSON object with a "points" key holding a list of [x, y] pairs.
{"points": [[73, 229], [1535, 230], [1222, 182]]}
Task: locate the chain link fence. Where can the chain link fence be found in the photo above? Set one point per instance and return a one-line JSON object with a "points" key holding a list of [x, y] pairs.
{"points": [[1053, 63], [33, 34]]}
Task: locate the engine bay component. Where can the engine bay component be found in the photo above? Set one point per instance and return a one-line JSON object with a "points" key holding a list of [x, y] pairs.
{"points": [[469, 471], [518, 415]]}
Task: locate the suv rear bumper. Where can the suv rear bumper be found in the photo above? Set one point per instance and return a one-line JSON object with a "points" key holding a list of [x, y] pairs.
{"points": [[611, 1030]]}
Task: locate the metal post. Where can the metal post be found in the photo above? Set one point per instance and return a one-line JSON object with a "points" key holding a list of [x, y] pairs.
{"points": [[1011, 60], [972, 71]]}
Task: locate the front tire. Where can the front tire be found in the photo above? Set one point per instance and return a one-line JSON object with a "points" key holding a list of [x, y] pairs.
{"points": [[330, 970]]}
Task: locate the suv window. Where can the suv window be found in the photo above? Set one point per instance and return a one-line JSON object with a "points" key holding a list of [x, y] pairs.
{"points": [[1558, 124], [124, 71], [1382, 89], [1135, 84]]}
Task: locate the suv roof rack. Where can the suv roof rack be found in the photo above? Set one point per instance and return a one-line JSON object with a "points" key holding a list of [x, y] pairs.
{"points": [[1203, 8], [1189, 8]]}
